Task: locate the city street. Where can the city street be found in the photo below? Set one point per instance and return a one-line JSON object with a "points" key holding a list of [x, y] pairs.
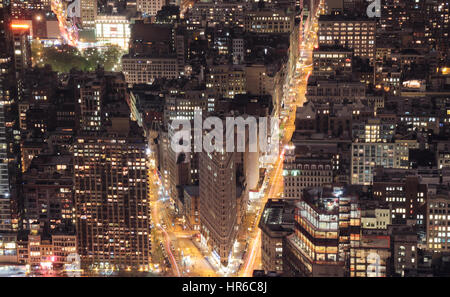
{"points": [[194, 139], [275, 189], [180, 247]]}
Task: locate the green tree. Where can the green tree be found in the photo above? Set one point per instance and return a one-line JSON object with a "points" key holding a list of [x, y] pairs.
{"points": [[37, 53], [64, 58], [111, 58], [93, 58]]}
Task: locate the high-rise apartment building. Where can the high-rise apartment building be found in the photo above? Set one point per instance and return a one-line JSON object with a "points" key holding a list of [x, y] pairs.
{"points": [[111, 200], [9, 151], [22, 54], [5, 195], [6, 69], [110, 180]]}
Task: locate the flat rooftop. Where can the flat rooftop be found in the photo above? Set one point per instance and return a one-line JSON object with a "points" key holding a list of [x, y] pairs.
{"points": [[375, 241], [326, 199], [278, 215]]}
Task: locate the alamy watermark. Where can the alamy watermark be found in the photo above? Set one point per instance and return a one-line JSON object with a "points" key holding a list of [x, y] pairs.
{"points": [[73, 265], [232, 134], [374, 267], [374, 9]]}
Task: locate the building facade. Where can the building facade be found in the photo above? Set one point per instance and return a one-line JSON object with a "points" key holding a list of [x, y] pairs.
{"points": [[5, 193], [218, 203], [438, 231], [357, 34], [142, 70], [301, 171], [112, 30], [277, 221]]}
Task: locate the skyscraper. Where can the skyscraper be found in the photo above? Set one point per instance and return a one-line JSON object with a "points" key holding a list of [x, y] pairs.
{"points": [[5, 59], [218, 203], [8, 85], [110, 181], [22, 54], [5, 203]]}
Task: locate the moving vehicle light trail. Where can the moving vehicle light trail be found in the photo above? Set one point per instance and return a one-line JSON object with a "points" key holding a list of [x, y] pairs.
{"points": [[276, 180], [67, 26], [172, 257]]}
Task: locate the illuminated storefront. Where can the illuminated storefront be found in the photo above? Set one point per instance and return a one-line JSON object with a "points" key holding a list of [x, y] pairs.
{"points": [[8, 248]]}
